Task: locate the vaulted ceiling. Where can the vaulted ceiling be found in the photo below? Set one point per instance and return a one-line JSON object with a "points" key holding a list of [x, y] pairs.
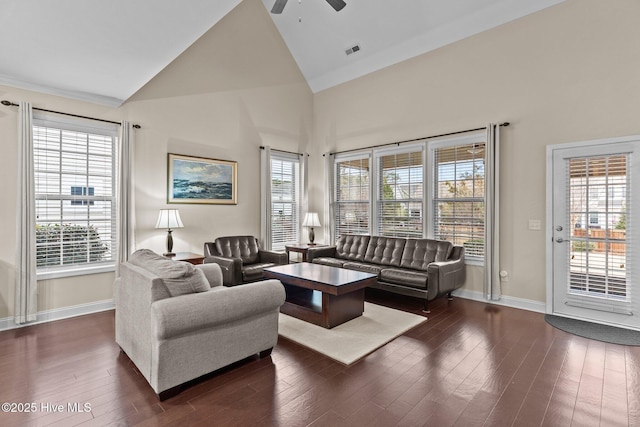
{"points": [[104, 51]]}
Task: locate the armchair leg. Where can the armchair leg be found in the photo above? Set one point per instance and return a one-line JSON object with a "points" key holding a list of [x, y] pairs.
{"points": [[449, 296], [266, 353]]}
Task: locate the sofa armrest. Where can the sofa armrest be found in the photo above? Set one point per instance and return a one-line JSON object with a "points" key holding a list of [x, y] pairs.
{"points": [[231, 269], [184, 314], [210, 249], [325, 251], [133, 295], [445, 276], [213, 273], [278, 258]]}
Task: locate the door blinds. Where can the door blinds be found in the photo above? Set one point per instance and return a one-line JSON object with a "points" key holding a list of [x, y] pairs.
{"points": [[598, 214]]}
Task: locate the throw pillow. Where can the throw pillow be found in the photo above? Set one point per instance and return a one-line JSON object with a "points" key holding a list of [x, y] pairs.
{"points": [[179, 277]]}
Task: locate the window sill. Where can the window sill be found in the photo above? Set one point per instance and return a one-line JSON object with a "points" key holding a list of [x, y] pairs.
{"points": [[57, 273]]}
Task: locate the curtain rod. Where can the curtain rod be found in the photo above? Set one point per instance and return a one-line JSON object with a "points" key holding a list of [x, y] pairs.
{"points": [[505, 124], [11, 104], [262, 147]]}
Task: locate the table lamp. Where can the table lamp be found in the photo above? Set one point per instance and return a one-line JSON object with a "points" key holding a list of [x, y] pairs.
{"points": [[169, 218], [311, 220]]}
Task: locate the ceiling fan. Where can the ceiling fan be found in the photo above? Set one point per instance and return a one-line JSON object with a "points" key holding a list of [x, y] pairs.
{"points": [[279, 5]]}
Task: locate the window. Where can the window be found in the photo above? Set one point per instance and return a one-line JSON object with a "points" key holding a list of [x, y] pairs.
{"points": [[285, 203], [598, 256], [352, 196], [400, 201], [458, 202], [445, 193], [75, 196]]}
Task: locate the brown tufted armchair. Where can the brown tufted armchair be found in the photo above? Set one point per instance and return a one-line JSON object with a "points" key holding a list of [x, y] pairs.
{"points": [[241, 258]]}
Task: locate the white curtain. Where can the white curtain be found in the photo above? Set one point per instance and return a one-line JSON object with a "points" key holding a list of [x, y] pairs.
{"points": [[492, 288], [265, 198], [328, 223], [125, 221], [26, 308], [304, 193]]}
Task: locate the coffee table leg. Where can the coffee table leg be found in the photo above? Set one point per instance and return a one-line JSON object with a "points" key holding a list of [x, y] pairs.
{"points": [[338, 309]]}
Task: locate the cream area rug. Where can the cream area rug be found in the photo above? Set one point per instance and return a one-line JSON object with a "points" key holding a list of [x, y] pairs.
{"points": [[351, 341]]}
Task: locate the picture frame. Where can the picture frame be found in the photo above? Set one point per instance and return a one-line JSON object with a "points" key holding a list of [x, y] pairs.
{"points": [[201, 180]]}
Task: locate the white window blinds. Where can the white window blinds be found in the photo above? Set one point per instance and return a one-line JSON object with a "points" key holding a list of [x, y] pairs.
{"points": [[285, 200], [400, 198], [352, 186], [432, 189], [459, 196], [598, 214], [75, 195]]}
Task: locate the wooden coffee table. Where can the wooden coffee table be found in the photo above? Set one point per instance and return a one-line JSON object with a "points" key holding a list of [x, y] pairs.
{"points": [[320, 294]]}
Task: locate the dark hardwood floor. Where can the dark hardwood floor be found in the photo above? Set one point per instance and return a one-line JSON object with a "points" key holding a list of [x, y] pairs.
{"points": [[470, 364]]}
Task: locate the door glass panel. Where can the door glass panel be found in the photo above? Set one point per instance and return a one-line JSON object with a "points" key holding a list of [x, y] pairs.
{"points": [[597, 196]]}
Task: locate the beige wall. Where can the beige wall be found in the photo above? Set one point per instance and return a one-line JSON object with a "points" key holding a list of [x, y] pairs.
{"points": [[235, 89], [567, 73]]}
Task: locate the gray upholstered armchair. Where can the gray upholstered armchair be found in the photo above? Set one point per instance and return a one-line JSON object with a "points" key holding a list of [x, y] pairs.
{"points": [[241, 258], [176, 322]]}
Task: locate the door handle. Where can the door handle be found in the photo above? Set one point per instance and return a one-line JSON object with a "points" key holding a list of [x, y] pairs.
{"points": [[560, 240]]}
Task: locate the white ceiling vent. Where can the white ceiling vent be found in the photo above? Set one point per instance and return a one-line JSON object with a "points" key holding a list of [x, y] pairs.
{"points": [[353, 49]]}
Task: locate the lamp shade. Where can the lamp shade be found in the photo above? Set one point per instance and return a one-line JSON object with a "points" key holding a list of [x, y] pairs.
{"points": [[169, 218], [311, 220]]}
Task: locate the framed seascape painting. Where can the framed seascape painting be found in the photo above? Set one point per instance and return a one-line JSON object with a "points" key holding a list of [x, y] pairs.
{"points": [[200, 180]]}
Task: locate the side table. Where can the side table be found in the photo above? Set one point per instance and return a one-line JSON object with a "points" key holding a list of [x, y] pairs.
{"points": [[301, 248], [188, 257]]}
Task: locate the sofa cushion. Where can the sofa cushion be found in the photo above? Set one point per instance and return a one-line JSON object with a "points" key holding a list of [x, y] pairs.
{"points": [[244, 247], [419, 253], [333, 262], [179, 277], [361, 266], [385, 250], [444, 249], [352, 247], [415, 279], [254, 271]]}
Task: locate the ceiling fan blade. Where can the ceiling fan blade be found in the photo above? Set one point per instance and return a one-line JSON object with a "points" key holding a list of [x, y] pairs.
{"points": [[278, 7], [337, 4]]}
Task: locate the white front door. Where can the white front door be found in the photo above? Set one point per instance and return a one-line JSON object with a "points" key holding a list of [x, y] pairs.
{"points": [[594, 232]]}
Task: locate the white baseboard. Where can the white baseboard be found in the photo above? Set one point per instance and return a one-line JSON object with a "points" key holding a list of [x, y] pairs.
{"points": [[60, 313], [98, 306], [507, 301]]}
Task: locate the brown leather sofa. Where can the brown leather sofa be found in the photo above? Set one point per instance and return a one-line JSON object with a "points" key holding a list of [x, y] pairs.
{"points": [[422, 268], [241, 258]]}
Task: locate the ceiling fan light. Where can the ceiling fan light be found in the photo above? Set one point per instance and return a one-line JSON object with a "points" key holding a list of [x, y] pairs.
{"points": [[278, 6], [338, 5]]}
